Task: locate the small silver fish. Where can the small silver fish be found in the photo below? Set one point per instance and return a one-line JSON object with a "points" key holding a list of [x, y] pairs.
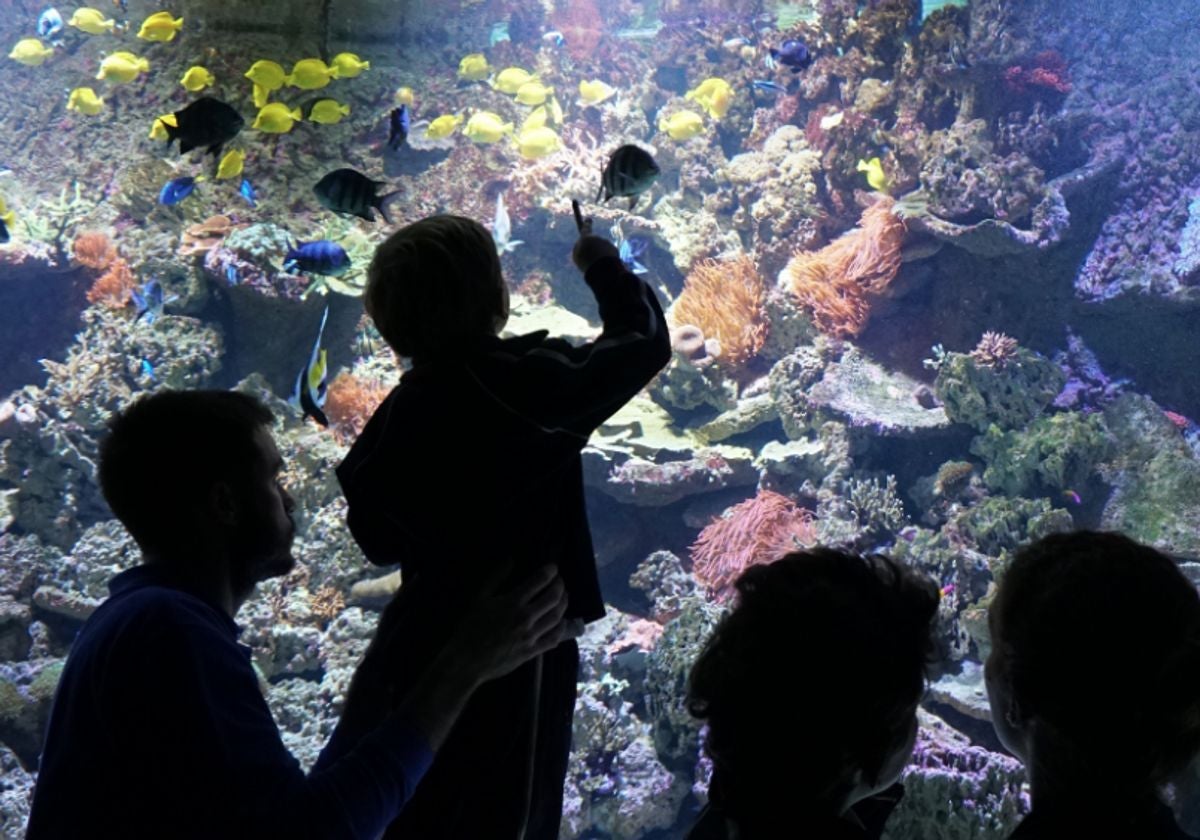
{"points": [[502, 228]]}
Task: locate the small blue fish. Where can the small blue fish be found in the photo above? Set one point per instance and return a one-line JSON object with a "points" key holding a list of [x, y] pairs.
{"points": [[148, 370], [792, 54], [248, 193], [398, 125], [318, 257], [631, 251], [150, 300], [50, 24], [231, 274], [176, 190], [767, 86], [554, 38]]}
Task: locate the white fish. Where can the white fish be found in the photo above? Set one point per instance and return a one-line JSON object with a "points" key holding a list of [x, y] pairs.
{"points": [[502, 229]]}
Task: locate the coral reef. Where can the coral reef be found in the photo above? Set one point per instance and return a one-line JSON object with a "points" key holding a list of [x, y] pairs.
{"points": [[1009, 396], [350, 401]]}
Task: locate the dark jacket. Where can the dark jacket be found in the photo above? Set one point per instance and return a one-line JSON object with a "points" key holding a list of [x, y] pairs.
{"points": [[473, 460], [159, 729], [1043, 823], [864, 821]]}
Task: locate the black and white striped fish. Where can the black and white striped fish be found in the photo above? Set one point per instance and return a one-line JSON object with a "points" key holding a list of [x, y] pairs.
{"points": [[629, 173], [353, 193]]}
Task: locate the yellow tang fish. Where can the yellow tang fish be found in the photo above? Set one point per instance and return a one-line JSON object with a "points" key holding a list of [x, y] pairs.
{"points": [[231, 165], [554, 111], [486, 127], [160, 26], [261, 96], [85, 101], [7, 216], [91, 21], [537, 143], [474, 67], [533, 92], [349, 65], [510, 79], [31, 52], [158, 131], [404, 96], [121, 67], [266, 74], [197, 78], [876, 177], [594, 92], [328, 112], [537, 118], [443, 126], [713, 95], [276, 118], [311, 74], [682, 125]]}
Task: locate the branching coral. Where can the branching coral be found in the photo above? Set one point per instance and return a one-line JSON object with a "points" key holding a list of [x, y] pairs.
{"points": [[326, 604], [112, 288], [725, 300], [994, 350], [836, 282], [93, 249], [350, 402], [758, 530]]}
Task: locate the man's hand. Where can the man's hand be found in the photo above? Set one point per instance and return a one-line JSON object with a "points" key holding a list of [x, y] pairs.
{"points": [[589, 247]]}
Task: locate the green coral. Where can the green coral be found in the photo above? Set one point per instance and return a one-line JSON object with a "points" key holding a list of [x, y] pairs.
{"points": [[1008, 395], [998, 526], [1055, 452]]}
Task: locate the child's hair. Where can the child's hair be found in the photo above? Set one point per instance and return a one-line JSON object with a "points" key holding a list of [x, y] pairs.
{"points": [[816, 673], [433, 284], [1099, 638]]}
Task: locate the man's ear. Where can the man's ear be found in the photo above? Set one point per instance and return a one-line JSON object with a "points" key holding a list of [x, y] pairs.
{"points": [[222, 504]]}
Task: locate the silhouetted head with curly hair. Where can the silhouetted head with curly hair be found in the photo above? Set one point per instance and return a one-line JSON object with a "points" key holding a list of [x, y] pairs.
{"points": [[810, 684], [1094, 674]]}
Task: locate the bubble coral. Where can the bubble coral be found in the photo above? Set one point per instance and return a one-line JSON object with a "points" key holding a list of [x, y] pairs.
{"points": [[350, 401], [759, 530], [725, 300], [836, 282], [112, 288], [93, 249]]}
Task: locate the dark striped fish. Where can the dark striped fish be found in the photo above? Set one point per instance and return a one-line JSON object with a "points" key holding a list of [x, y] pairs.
{"points": [[353, 193], [629, 173]]}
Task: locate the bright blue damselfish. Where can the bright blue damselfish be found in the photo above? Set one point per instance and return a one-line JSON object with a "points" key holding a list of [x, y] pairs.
{"points": [[176, 190]]}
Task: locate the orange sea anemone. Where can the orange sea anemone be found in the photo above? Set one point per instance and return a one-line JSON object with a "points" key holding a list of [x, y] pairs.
{"points": [[112, 288], [725, 300], [350, 401], [93, 249], [756, 531], [837, 282]]}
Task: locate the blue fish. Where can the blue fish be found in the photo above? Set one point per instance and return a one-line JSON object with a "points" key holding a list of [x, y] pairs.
{"points": [[176, 190], [4, 235], [792, 54], [768, 86], [248, 193], [148, 370], [631, 251], [398, 124], [312, 383], [49, 24], [319, 257], [150, 300], [231, 274]]}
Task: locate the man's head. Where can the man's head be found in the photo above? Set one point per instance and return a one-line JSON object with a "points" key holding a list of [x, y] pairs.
{"points": [[810, 685], [188, 468], [434, 284]]}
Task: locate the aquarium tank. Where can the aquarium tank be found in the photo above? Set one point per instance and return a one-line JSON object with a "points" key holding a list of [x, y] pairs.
{"points": [[931, 268]]}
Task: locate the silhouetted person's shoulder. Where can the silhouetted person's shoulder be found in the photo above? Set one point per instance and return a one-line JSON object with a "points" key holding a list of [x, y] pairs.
{"points": [[1056, 824]]}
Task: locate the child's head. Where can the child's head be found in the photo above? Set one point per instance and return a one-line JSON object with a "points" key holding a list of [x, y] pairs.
{"points": [[435, 284], [810, 685], [1095, 663]]}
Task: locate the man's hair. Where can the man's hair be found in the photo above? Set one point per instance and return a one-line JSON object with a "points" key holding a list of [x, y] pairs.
{"points": [[433, 284], [1099, 638], [164, 452], [815, 673]]}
